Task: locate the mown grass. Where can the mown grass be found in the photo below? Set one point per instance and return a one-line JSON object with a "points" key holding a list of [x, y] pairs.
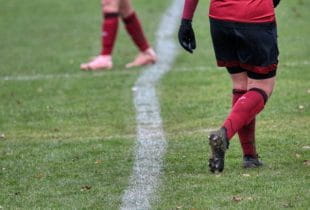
{"points": [[69, 137], [195, 98], [69, 141]]}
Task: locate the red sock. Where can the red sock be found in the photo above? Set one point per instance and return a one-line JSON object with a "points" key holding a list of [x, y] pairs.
{"points": [[134, 29], [245, 110], [247, 139], [246, 133], [109, 32]]}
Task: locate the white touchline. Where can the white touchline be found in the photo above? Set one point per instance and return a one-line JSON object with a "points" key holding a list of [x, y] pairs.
{"points": [[60, 76], [151, 142], [102, 73]]}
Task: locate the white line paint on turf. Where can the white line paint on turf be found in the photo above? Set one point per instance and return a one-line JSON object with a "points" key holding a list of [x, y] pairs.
{"points": [[69, 136], [103, 73], [60, 76], [151, 142], [39, 77]]}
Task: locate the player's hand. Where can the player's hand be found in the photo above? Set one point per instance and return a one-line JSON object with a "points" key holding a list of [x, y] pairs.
{"points": [[187, 36], [275, 3]]}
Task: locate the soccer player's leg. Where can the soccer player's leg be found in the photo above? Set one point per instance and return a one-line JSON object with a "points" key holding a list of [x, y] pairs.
{"points": [[265, 83], [239, 85], [110, 10], [262, 66], [242, 116], [226, 56], [134, 28], [247, 133], [260, 61], [247, 140], [249, 105]]}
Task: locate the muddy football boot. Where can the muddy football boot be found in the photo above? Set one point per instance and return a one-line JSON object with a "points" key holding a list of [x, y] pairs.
{"points": [[219, 144], [251, 162]]}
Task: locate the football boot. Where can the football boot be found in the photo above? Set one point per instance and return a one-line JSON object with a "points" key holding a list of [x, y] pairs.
{"points": [[219, 144], [251, 162]]}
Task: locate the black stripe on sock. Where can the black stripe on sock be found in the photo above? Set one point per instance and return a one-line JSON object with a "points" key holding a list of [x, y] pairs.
{"points": [[111, 15], [262, 92], [239, 91]]}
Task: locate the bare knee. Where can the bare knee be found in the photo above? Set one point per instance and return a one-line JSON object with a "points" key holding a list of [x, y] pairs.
{"points": [[266, 85], [110, 6], [239, 81], [125, 8]]}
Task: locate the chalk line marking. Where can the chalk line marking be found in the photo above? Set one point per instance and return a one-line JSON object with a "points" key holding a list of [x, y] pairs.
{"points": [[151, 142], [197, 132], [103, 73], [60, 76]]}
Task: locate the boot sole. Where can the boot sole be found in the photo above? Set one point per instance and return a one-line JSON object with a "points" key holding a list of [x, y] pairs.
{"points": [[216, 164]]}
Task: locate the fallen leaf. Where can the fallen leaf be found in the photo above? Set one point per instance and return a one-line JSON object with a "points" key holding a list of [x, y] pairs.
{"points": [[179, 207], [237, 198], [39, 176], [307, 162], [76, 158], [85, 188], [56, 129], [249, 198], [98, 161], [297, 155], [288, 205], [246, 175], [301, 107]]}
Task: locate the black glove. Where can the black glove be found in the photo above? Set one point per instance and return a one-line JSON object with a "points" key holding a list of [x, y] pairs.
{"points": [[276, 2], [187, 36]]}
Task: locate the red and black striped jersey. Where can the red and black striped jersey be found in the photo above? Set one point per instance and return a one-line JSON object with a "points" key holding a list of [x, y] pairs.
{"points": [[249, 11]]}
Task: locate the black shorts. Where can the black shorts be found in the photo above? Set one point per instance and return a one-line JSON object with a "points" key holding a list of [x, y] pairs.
{"points": [[250, 47]]}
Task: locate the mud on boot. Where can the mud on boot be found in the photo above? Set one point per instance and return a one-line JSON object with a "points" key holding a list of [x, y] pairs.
{"points": [[219, 144]]}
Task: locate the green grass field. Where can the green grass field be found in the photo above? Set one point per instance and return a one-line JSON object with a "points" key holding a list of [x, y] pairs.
{"points": [[69, 135]]}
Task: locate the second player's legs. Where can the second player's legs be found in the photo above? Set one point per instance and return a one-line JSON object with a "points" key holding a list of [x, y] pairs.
{"points": [[111, 10], [110, 6], [125, 8], [135, 31], [109, 28]]}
